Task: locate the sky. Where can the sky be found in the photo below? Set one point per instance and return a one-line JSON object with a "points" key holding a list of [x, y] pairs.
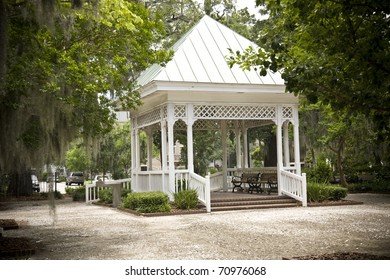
{"points": [[240, 4]]}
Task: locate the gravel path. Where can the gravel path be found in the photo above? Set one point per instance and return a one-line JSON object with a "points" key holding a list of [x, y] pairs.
{"points": [[94, 232]]}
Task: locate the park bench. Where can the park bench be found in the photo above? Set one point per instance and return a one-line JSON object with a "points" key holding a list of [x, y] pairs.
{"points": [[252, 179], [269, 182]]}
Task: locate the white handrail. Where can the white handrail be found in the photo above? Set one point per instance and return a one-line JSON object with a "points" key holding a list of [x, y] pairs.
{"points": [[294, 186], [92, 191]]}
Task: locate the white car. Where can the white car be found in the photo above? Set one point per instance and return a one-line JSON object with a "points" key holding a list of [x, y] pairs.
{"points": [[101, 178]]}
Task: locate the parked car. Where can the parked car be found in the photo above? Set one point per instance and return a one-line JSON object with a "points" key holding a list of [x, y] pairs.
{"points": [[35, 183], [75, 178]]}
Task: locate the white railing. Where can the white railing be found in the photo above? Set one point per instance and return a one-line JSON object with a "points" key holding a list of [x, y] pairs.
{"points": [[294, 186], [150, 181], [202, 186], [92, 191]]}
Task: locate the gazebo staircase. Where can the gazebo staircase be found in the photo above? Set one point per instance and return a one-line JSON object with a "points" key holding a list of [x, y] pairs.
{"points": [[238, 201]]}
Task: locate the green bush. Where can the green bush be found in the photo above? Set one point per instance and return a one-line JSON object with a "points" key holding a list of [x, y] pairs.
{"points": [[79, 194], [147, 202], [105, 195], [187, 199], [317, 192], [322, 172], [57, 195]]}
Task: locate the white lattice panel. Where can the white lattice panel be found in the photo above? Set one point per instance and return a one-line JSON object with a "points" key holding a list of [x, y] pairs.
{"points": [[234, 112], [149, 118], [180, 111], [287, 113]]}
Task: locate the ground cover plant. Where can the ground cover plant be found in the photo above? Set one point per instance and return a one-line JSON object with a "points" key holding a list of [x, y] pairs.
{"points": [[186, 199]]}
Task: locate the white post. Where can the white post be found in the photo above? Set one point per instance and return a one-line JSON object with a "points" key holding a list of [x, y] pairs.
{"points": [[190, 141], [171, 154], [237, 131], [207, 194], [286, 146], [279, 145], [245, 152], [163, 153], [149, 136], [224, 154], [304, 190], [297, 153]]}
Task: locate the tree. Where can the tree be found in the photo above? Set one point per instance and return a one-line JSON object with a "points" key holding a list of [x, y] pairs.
{"points": [[332, 51], [67, 66]]}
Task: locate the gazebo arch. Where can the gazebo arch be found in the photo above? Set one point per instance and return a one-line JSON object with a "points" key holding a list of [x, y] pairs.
{"points": [[198, 86]]}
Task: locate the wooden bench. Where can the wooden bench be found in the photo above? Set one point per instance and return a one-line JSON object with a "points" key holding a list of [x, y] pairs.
{"points": [[269, 181], [252, 179]]}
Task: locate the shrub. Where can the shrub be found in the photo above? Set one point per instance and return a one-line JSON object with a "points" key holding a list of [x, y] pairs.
{"points": [[56, 194], [105, 195], [187, 199], [147, 202], [317, 192], [322, 172], [79, 194]]}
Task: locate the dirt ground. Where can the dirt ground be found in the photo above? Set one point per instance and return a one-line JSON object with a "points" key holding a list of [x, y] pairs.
{"points": [[76, 231]]}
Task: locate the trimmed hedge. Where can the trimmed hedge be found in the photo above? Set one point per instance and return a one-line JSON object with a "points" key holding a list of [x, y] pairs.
{"points": [[187, 199], [147, 202], [317, 192]]}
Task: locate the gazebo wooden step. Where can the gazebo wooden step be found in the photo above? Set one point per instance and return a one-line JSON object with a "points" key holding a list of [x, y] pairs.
{"points": [[253, 202], [233, 201], [250, 207]]}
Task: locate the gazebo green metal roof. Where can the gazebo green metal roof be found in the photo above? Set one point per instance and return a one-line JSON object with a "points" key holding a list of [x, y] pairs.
{"points": [[200, 57]]}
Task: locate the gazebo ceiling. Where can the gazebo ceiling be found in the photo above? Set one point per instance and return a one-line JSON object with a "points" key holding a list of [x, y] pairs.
{"points": [[200, 58]]}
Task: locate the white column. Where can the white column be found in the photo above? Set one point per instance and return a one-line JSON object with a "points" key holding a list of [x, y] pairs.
{"points": [[246, 152], [171, 154], [237, 131], [286, 145], [133, 151], [279, 144], [190, 139], [149, 144], [297, 154], [163, 153], [224, 154]]}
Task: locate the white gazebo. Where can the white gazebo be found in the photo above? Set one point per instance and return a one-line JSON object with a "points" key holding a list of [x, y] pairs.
{"points": [[197, 90]]}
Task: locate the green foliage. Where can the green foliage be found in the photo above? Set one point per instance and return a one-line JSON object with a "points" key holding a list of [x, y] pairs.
{"points": [[333, 51], [318, 192], [76, 158], [186, 199], [147, 202], [57, 195], [321, 172], [105, 195], [181, 185], [69, 190], [79, 194]]}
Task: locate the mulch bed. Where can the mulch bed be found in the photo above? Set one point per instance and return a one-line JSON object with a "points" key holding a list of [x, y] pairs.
{"points": [[7, 224], [13, 248], [333, 203]]}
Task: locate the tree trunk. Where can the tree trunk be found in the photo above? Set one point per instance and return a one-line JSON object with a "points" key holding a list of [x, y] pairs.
{"points": [[20, 184], [270, 159], [3, 41], [340, 167]]}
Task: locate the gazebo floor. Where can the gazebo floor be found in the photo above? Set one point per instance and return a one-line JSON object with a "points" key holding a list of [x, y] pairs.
{"points": [[225, 201]]}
